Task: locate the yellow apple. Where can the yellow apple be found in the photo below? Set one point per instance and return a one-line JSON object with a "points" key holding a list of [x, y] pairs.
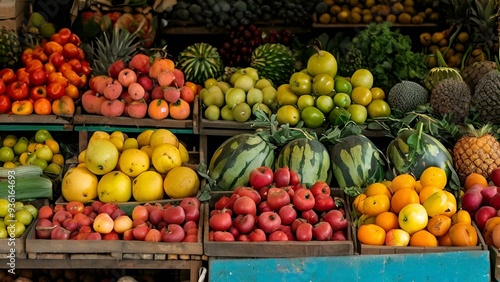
{"points": [[412, 218]]}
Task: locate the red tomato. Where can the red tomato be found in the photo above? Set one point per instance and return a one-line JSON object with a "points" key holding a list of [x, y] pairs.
{"points": [[5, 104], [17, 91]]}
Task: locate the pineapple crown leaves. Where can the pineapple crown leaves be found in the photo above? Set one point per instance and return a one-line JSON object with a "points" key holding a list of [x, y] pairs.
{"points": [[271, 131]]}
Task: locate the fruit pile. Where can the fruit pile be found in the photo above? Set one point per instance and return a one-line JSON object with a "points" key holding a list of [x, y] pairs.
{"points": [[239, 98], [40, 149], [452, 47], [38, 25], [49, 80], [482, 201], [357, 12], [141, 89], [15, 218], [277, 207], [407, 212], [106, 221], [116, 168]]}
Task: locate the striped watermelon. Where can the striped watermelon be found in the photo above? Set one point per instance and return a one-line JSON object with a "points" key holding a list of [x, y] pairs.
{"points": [[200, 62], [357, 162], [309, 158], [232, 162], [274, 62], [432, 153]]}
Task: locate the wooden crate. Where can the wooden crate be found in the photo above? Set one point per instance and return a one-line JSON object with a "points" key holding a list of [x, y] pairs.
{"points": [[35, 119], [276, 249], [494, 263], [364, 249], [10, 9], [114, 250]]}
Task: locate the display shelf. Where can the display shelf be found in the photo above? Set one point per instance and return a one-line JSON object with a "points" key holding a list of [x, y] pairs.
{"points": [[449, 266], [396, 25], [35, 122]]}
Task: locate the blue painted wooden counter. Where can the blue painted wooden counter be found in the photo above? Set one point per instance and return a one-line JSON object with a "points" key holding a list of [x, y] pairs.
{"points": [[446, 266]]}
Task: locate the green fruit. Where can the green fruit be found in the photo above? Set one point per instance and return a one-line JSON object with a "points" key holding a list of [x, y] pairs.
{"points": [[261, 107], [212, 112], [263, 82], [234, 96], [6, 154], [325, 104], [322, 84], [269, 95], [312, 117], [342, 100], [47, 30], [36, 19], [42, 135], [242, 112], [213, 96], [21, 146], [226, 113], [254, 96], [305, 101]]}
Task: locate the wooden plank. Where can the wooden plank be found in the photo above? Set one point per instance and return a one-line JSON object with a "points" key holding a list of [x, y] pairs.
{"points": [[35, 119], [277, 249], [450, 266], [494, 263]]}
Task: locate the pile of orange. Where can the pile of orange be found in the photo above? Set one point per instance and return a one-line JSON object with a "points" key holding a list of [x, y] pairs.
{"points": [[384, 213]]}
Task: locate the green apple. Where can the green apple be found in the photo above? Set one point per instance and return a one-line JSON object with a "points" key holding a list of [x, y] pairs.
{"points": [[234, 96], [269, 94], [40, 162], [212, 112], [3, 233], [254, 96], [413, 218], [17, 229], [226, 113], [342, 100]]}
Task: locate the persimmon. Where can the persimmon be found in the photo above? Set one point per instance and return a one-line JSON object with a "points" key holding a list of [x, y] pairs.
{"points": [[43, 106], [158, 109], [180, 110], [423, 238], [464, 234], [371, 234]]}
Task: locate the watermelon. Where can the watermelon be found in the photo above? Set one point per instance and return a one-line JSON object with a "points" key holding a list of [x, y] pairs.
{"points": [[357, 162], [233, 160], [273, 61], [200, 62], [432, 153], [309, 158]]}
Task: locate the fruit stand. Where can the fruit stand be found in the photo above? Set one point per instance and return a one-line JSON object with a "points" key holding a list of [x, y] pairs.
{"points": [[249, 140]]}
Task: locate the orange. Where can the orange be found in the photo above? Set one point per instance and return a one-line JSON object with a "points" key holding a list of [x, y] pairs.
{"points": [[418, 186], [445, 239], [371, 234], [403, 181], [473, 179], [376, 204], [378, 188], [387, 220], [426, 192], [490, 223], [358, 203], [434, 176], [439, 225], [463, 234], [403, 197], [423, 238]]}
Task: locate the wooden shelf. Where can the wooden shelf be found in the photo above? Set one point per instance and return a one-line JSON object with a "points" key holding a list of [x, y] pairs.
{"points": [[189, 28], [346, 25]]}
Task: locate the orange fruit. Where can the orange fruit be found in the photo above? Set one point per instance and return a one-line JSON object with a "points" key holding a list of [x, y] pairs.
{"points": [[462, 216], [434, 176], [403, 181], [445, 239], [463, 234], [426, 192], [490, 223], [377, 93], [451, 205], [387, 220], [371, 234], [376, 204], [358, 203], [423, 238], [378, 188], [403, 197], [418, 186], [473, 179], [439, 225]]}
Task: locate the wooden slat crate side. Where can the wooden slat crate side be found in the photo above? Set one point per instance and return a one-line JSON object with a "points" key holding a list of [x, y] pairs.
{"points": [[35, 119], [273, 249], [494, 263]]}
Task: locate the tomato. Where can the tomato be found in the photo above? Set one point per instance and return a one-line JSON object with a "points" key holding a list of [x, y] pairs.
{"points": [[312, 117], [358, 113], [76, 65], [23, 76], [300, 83], [55, 90], [37, 92], [23, 107], [62, 37], [5, 104], [49, 68], [34, 64], [322, 84], [8, 75], [86, 69], [73, 38], [17, 91], [70, 51], [288, 114], [342, 100], [72, 91], [37, 77], [43, 106], [57, 77], [3, 88], [379, 108]]}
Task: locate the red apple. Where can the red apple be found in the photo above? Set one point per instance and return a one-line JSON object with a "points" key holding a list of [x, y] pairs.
{"points": [[263, 193], [282, 177], [320, 187], [336, 219], [269, 221], [156, 216], [277, 198], [322, 231], [483, 214], [260, 177], [294, 178], [488, 193], [495, 201], [397, 237]]}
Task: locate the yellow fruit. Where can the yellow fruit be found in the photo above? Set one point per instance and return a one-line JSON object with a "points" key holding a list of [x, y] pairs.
{"points": [[100, 135], [130, 143], [165, 157], [163, 136], [79, 184], [184, 153], [181, 182], [10, 141], [377, 93], [9, 165], [362, 77], [101, 156], [148, 186], [114, 186], [288, 114], [118, 142], [133, 161], [81, 156], [144, 137], [53, 145], [58, 159], [361, 95], [118, 134]]}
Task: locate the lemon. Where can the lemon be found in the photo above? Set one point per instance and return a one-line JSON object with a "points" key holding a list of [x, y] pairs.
{"points": [[181, 182]]}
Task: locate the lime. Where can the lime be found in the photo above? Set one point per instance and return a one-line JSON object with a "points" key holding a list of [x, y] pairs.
{"points": [[6, 154], [325, 104], [342, 100], [362, 77], [342, 85], [305, 101], [358, 113], [379, 108], [312, 117], [288, 114]]}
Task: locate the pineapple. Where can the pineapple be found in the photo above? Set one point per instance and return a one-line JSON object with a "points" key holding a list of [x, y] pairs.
{"points": [[478, 151], [473, 73], [10, 49], [121, 46]]}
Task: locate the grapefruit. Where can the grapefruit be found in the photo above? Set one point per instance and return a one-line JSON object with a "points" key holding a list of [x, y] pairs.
{"points": [[181, 182], [148, 186], [114, 186], [133, 161], [79, 184], [101, 156]]}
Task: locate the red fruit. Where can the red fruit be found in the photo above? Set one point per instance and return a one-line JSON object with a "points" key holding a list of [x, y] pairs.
{"points": [[153, 235], [310, 216], [482, 215], [190, 225], [172, 233], [324, 203], [278, 235], [174, 214], [320, 187], [304, 232], [263, 193], [339, 235], [294, 178], [244, 205], [45, 228], [336, 219], [269, 221], [156, 216], [244, 223], [322, 231], [495, 176], [471, 201], [192, 213], [190, 201], [303, 199], [260, 177], [220, 221], [223, 236], [263, 207], [287, 214], [221, 203], [140, 232], [277, 198], [250, 192], [282, 177], [45, 212], [257, 235]]}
